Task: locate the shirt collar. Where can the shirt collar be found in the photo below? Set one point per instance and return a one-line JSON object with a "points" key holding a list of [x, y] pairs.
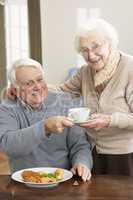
{"points": [[29, 108]]}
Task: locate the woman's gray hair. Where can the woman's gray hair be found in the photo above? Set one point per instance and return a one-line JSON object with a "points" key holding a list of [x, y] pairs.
{"points": [[27, 62], [99, 26]]}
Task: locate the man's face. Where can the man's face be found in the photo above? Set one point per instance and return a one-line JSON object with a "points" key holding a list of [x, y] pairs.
{"points": [[95, 50], [32, 87]]}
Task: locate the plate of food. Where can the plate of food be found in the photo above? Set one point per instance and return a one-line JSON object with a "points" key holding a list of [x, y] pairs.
{"points": [[42, 176]]}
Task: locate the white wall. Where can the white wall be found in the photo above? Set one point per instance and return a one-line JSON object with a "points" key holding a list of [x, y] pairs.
{"points": [[59, 22]]}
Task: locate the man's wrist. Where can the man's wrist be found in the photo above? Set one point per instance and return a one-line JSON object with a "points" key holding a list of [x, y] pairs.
{"points": [[47, 132]]}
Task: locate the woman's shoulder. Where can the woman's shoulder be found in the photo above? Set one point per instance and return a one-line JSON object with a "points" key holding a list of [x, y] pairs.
{"points": [[127, 58], [127, 62], [127, 65], [84, 67]]}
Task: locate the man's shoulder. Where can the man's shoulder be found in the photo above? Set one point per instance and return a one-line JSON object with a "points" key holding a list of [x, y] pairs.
{"points": [[54, 96], [8, 106], [63, 99], [53, 93]]}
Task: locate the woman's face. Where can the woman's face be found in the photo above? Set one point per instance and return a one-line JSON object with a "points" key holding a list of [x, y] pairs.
{"points": [[95, 50]]}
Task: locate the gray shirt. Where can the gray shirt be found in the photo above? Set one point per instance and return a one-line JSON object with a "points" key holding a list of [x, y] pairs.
{"points": [[23, 138]]}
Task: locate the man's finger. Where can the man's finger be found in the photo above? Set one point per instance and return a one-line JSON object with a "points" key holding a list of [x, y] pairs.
{"points": [[67, 123], [85, 173], [89, 176], [80, 170], [60, 129], [73, 170]]}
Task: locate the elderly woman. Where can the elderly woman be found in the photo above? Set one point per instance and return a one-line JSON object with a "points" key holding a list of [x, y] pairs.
{"points": [[106, 85]]}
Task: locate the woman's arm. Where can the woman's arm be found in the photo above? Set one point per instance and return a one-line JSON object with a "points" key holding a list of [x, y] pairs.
{"points": [[72, 85]]}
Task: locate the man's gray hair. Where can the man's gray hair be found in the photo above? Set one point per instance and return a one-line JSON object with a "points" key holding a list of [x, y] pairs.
{"points": [[100, 26], [27, 62]]}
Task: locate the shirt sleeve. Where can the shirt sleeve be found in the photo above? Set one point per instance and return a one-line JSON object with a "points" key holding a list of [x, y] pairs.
{"points": [[73, 85], [15, 141], [79, 147]]}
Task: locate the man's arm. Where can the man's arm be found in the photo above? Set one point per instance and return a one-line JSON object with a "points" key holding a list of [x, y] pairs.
{"points": [[16, 141], [79, 150]]}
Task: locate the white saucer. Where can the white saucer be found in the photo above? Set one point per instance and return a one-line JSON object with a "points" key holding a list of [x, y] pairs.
{"points": [[82, 122]]}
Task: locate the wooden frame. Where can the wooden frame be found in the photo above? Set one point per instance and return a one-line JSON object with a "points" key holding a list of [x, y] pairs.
{"points": [[35, 30], [3, 76]]}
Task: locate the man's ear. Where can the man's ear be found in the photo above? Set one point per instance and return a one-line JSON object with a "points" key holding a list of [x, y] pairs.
{"points": [[13, 90], [9, 93]]}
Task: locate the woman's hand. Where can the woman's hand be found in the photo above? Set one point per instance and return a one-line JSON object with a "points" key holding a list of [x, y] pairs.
{"points": [[98, 121]]}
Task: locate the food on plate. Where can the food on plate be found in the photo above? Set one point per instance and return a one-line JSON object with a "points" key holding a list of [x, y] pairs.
{"points": [[31, 176], [42, 177], [59, 173]]}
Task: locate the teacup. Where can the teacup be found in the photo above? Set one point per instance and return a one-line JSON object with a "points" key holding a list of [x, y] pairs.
{"points": [[80, 114]]}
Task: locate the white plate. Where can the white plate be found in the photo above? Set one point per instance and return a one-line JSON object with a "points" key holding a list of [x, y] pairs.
{"points": [[16, 176]]}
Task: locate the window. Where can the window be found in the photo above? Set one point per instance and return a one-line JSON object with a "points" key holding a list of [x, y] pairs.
{"points": [[16, 26]]}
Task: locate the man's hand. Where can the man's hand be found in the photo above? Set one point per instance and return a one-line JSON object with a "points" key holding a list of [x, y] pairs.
{"points": [[98, 122], [57, 124], [82, 170]]}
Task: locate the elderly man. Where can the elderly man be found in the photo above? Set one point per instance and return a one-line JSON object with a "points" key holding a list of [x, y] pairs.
{"points": [[34, 129]]}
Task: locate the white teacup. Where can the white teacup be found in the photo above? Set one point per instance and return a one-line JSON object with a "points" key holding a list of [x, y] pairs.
{"points": [[79, 114]]}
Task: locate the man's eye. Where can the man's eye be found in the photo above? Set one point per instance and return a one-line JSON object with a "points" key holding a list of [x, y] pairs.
{"points": [[40, 80], [29, 83]]}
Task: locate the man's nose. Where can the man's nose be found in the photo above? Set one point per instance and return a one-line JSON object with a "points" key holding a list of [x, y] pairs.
{"points": [[37, 85]]}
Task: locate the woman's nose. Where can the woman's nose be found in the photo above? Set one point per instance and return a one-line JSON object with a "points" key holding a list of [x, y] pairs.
{"points": [[91, 55]]}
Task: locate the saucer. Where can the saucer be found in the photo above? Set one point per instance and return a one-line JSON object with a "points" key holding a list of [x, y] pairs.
{"points": [[81, 122]]}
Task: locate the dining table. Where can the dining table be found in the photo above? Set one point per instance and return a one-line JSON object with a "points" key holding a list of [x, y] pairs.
{"points": [[100, 187]]}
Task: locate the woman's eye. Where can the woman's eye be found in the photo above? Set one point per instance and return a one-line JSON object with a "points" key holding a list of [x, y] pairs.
{"points": [[84, 50], [96, 46]]}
